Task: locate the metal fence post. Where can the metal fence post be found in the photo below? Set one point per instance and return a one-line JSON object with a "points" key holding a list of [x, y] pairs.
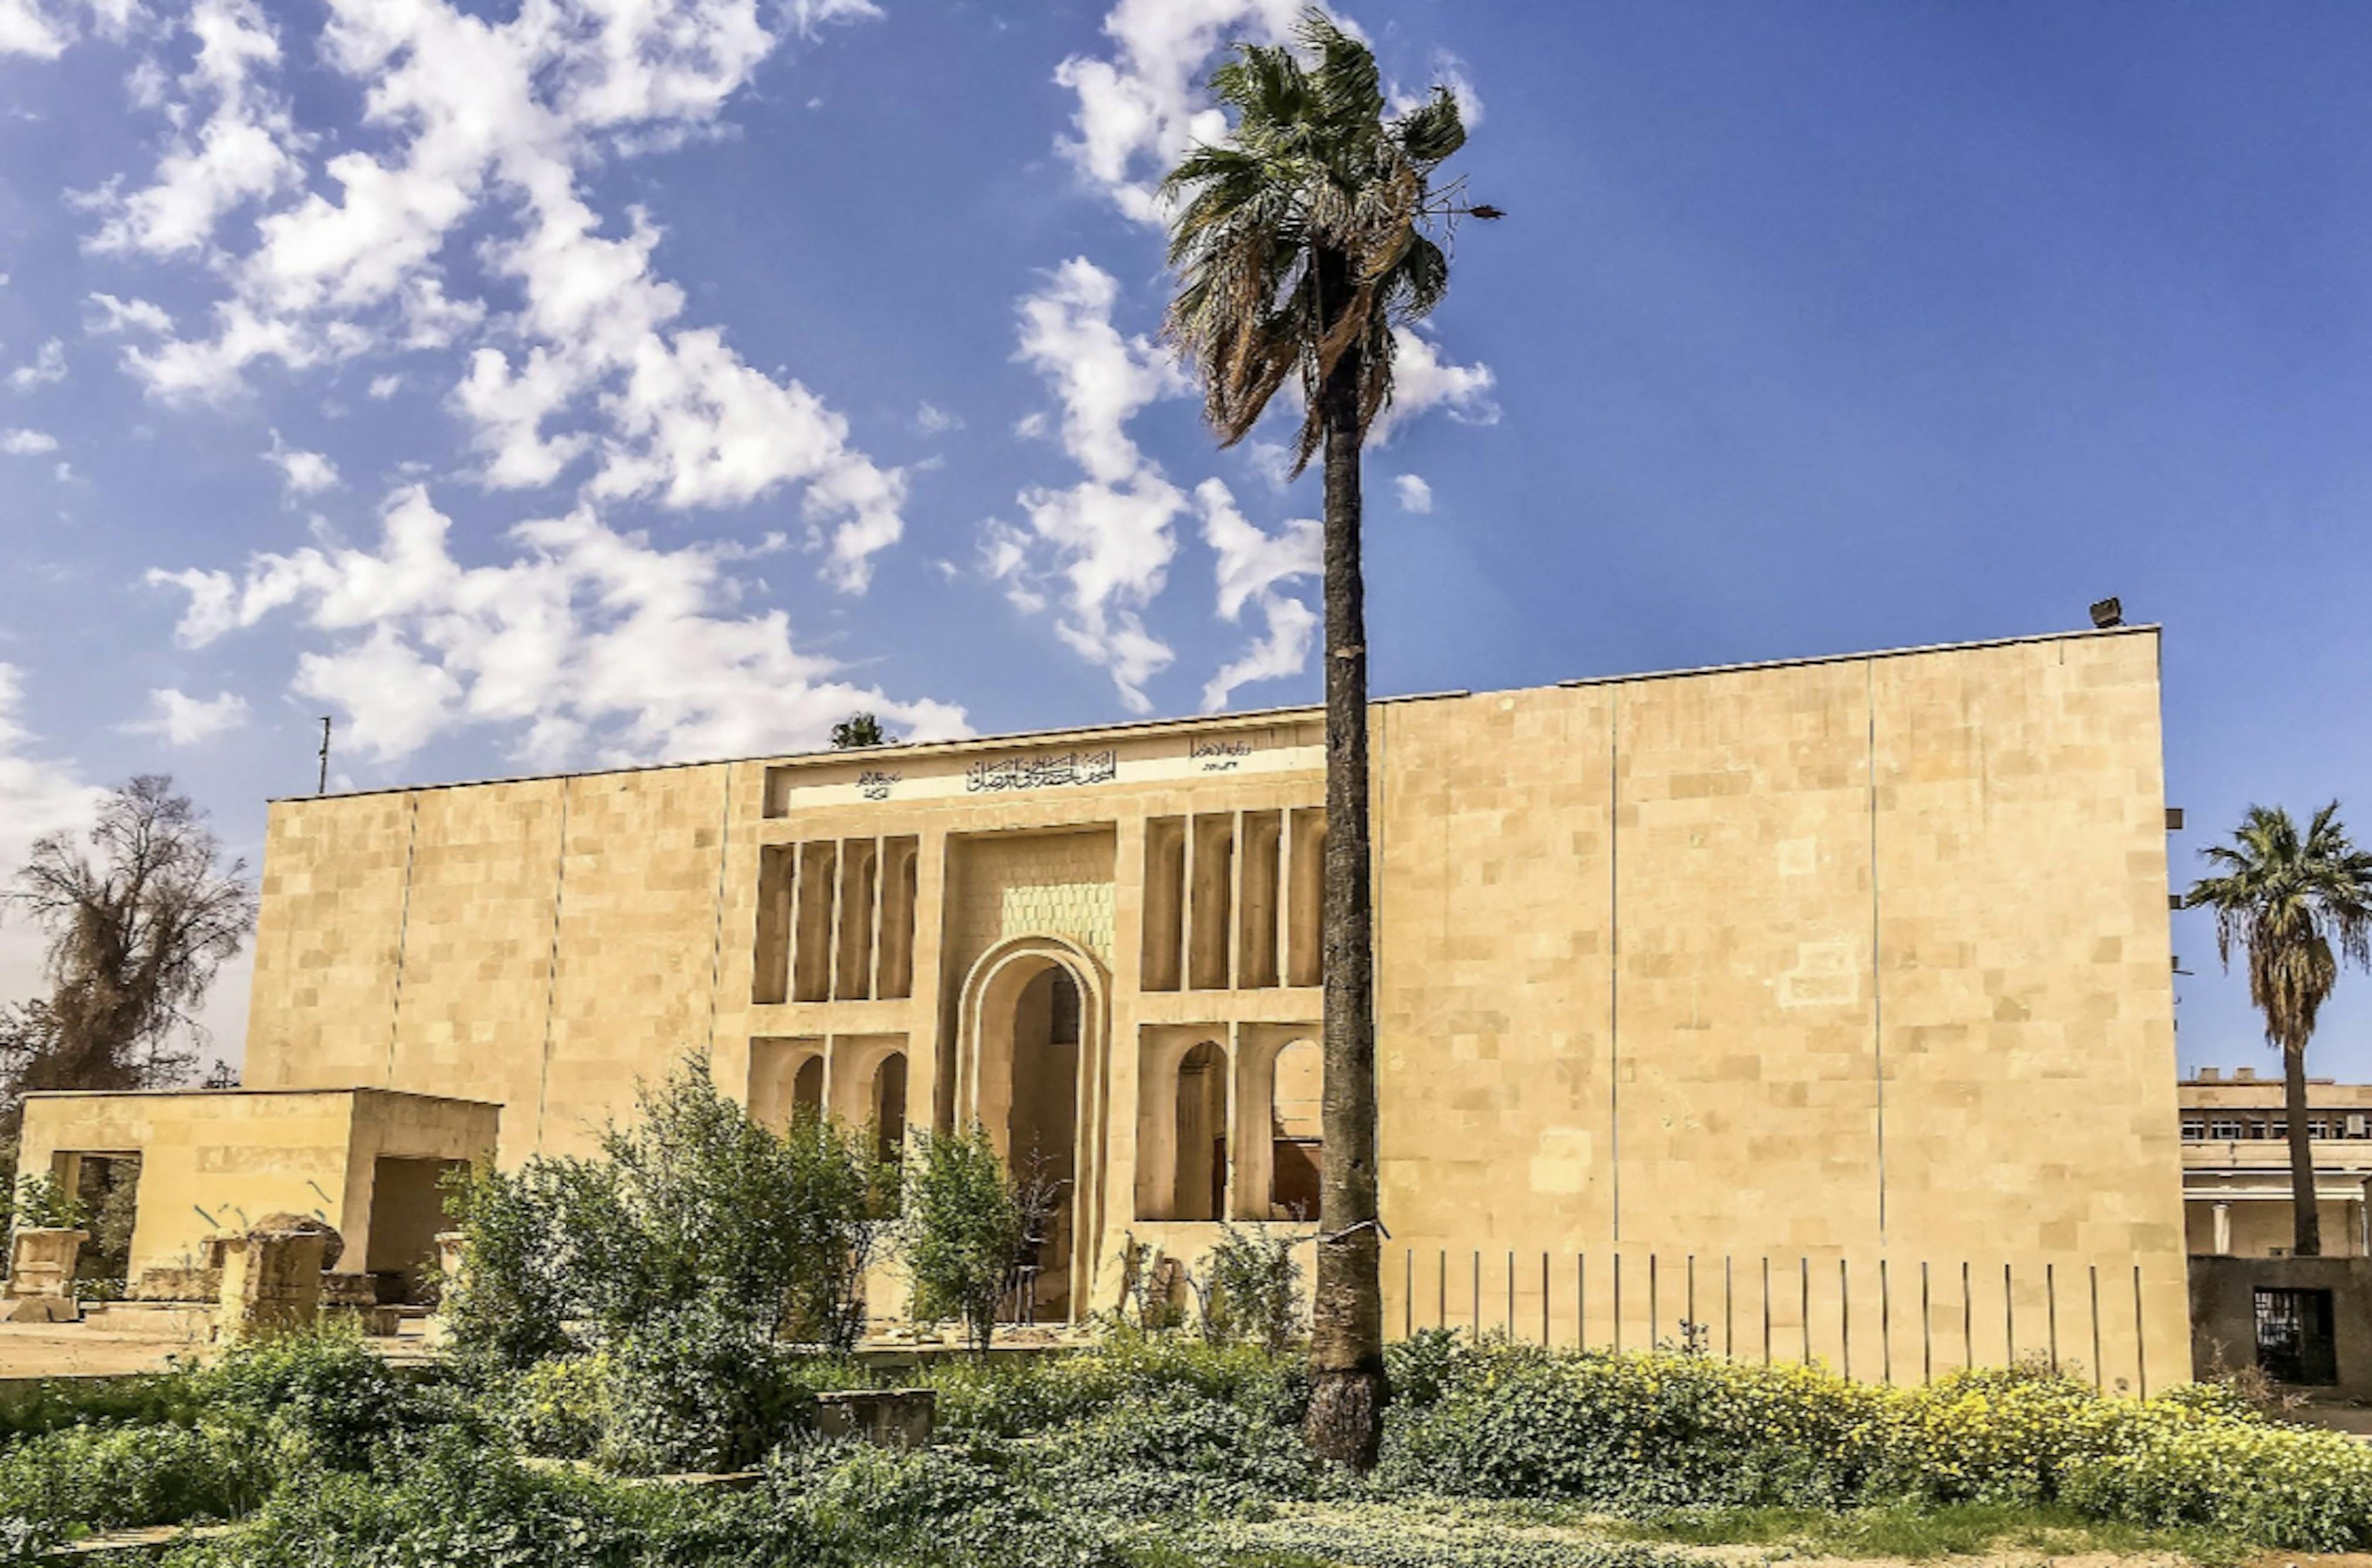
{"points": [[1807, 1264], [1844, 1318], [2097, 1370], [2050, 1312], [1885, 1328], [1766, 1309], [1968, 1321], [1927, 1328], [2141, 1351]]}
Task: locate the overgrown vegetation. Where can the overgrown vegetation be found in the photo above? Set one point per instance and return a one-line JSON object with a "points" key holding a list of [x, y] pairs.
{"points": [[966, 1226], [676, 1303], [655, 1294], [1165, 1450]]}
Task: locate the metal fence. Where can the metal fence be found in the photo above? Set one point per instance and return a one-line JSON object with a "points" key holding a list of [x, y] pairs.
{"points": [[1875, 1319]]}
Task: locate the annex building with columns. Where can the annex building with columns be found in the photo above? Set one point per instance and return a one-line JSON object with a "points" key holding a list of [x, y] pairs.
{"points": [[1853, 971]]}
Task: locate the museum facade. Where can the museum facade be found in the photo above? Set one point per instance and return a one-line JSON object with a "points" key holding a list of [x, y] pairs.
{"points": [[1854, 967]]}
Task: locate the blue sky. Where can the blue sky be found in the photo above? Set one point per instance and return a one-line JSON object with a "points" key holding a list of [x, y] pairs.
{"points": [[540, 385]]}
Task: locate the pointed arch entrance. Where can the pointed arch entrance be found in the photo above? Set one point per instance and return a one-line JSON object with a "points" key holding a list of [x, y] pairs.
{"points": [[1031, 1048]]}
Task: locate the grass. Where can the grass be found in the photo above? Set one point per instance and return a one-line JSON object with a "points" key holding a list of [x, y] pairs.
{"points": [[1919, 1534]]}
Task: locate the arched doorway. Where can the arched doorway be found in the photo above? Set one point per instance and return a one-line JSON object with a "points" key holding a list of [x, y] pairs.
{"points": [[1201, 1191], [807, 1087], [1030, 1072], [889, 1097]]}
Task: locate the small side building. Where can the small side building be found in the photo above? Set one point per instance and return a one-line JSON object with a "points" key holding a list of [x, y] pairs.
{"points": [[367, 1161]]}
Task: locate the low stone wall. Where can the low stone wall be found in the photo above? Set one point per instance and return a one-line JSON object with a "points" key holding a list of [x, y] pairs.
{"points": [[2224, 1313], [270, 1283], [886, 1418]]}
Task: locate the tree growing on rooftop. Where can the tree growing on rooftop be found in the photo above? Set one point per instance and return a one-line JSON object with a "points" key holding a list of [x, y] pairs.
{"points": [[139, 913], [1300, 240], [857, 731], [2300, 905]]}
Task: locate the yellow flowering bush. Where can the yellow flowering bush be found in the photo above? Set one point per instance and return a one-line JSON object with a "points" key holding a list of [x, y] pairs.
{"points": [[1662, 1431]]}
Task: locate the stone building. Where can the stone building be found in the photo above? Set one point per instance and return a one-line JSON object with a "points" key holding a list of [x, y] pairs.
{"points": [[1830, 998], [2235, 1164]]}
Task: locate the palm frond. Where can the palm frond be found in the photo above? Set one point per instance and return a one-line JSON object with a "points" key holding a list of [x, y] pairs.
{"points": [[1312, 181]]}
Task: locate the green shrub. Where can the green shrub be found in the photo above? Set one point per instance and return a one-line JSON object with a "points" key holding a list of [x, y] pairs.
{"points": [[1028, 1394], [509, 1305], [1174, 1452], [1249, 1289], [63, 1483], [455, 1505], [1646, 1433], [1629, 1432], [29, 1409], [326, 1393], [934, 1506], [687, 1391], [964, 1229]]}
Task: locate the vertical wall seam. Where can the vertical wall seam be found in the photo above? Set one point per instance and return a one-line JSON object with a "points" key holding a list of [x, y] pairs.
{"points": [[402, 932], [1614, 957], [1877, 972], [717, 927], [551, 963]]}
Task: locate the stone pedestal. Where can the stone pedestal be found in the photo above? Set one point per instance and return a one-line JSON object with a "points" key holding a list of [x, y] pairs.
{"points": [[886, 1418], [41, 1261], [270, 1283], [449, 1255]]}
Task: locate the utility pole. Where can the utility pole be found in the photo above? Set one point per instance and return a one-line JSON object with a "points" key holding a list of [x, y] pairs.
{"points": [[323, 787]]}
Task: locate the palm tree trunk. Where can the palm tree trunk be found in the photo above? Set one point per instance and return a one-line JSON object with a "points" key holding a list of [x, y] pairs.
{"points": [[1346, 1341], [2306, 1241]]}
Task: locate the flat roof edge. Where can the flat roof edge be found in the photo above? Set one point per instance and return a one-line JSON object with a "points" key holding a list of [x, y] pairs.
{"points": [[1249, 719], [1913, 651], [194, 1091]]}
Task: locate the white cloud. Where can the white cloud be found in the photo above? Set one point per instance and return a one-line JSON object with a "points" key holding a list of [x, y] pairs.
{"points": [[180, 719], [931, 420], [302, 472], [28, 28], [1423, 380], [1250, 564], [1141, 108], [586, 644], [243, 151], [1109, 537], [28, 443], [129, 316], [1415, 494], [493, 119], [49, 368], [385, 387]]}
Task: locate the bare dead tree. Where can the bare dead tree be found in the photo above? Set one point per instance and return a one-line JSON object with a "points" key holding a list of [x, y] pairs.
{"points": [[140, 914]]}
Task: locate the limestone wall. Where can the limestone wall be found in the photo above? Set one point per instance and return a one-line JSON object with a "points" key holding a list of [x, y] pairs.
{"points": [[1858, 963]]}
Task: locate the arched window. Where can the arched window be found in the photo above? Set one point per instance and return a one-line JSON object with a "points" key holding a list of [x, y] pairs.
{"points": [[1296, 1132], [1201, 1190], [889, 1106], [807, 1087]]}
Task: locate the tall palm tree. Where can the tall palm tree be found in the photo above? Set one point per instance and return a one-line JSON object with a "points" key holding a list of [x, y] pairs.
{"points": [[2300, 905], [1299, 243]]}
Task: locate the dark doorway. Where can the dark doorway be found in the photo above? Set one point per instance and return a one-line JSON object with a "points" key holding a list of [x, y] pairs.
{"points": [[2294, 1343]]}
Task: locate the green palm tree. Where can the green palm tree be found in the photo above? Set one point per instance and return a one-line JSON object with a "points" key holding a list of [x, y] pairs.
{"points": [[1299, 243], [2300, 905]]}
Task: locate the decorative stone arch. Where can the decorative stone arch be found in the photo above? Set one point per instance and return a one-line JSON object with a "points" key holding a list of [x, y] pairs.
{"points": [[986, 1012], [1258, 1048]]}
